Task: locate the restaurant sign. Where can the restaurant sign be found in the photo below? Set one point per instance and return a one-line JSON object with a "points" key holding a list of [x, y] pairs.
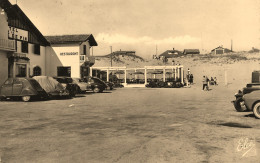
{"points": [[17, 34], [68, 53]]}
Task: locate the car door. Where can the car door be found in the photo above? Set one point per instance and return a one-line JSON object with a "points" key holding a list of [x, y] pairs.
{"points": [[7, 88], [17, 87]]}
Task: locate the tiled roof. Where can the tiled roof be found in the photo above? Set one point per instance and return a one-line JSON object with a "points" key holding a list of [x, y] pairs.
{"points": [[170, 53], [221, 48], [72, 39], [191, 51]]}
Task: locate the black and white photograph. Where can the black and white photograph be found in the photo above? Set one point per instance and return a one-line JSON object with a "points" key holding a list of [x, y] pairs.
{"points": [[130, 81]]}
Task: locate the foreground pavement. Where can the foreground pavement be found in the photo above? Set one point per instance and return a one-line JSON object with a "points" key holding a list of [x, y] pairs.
{"points": [[150, 125]]}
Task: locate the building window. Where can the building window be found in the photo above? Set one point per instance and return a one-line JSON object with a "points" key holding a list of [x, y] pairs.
{"points": [[24, 47], [84, 49], [37, 71], [82, 58], [64, 71], [37, 49]]}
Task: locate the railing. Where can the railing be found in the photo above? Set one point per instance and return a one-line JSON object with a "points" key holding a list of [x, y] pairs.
{"points": [[8, 45], [90, 59]]}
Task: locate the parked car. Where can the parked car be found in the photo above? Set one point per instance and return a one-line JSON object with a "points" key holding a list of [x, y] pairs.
{"points": [[67, 82], [252, 102], [52, 86], [155, 83], [110, 85], [82, 86], [95, 84], [26, 88], [248, 89]]}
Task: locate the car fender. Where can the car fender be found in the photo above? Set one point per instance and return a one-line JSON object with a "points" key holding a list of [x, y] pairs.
{"points": [[28, 91]]}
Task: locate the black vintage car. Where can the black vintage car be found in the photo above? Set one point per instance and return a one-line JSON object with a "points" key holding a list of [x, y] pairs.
{"points": [[155, 83], [67, 82], [110, 85], [95, 84]]}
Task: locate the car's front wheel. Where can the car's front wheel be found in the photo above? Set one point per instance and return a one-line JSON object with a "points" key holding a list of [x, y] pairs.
{"points": [[237, 104], [256, 110], [26, 98], [96, 90]]}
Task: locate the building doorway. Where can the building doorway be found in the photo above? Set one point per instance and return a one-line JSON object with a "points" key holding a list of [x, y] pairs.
{"points": [[18, 66], [21, 70], [84, 71]]}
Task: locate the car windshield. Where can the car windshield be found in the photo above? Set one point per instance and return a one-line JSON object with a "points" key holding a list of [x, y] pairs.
{"points": [[64, 80], [80, 80], [96, 80], [69, 80]]}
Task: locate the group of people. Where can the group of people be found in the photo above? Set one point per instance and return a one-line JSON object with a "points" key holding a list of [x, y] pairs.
{"points": [[206, 82], [189, 78]]}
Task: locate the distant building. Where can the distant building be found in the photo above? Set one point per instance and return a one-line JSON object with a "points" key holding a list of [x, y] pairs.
{"points": [[170, 53], [123, 53], [220, 50], [191, 51], [254, 50]]}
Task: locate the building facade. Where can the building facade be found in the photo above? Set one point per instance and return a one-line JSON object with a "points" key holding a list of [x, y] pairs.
{"points": [[69, 55], [6, 46], [25, 52], [28, 56]]}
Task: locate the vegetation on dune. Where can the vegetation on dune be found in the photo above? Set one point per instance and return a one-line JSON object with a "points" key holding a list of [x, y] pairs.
{"points": [[123, 55], [223, 57]]}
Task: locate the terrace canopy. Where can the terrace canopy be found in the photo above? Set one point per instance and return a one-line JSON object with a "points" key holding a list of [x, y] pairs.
{"points": [[177, 71]]}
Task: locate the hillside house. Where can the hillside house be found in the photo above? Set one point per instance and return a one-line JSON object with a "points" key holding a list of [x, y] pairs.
{"points": [[123, 53], [170, 53], [220, 50], [191, 51]]}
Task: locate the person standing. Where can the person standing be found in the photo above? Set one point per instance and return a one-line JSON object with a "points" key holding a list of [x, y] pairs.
{"points": [[207, 79], [191, 78], [215, 81], [204, 83]]}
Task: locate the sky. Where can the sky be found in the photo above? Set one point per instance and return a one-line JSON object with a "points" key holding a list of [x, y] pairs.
{"points": [[143, 25]]}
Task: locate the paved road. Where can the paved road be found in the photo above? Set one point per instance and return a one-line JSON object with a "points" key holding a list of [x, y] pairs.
{"points": [[130, 125]]}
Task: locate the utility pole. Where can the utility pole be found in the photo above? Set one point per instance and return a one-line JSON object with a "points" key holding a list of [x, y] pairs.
{"points": [[156, 50], [231, 45], [111, 55]]}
